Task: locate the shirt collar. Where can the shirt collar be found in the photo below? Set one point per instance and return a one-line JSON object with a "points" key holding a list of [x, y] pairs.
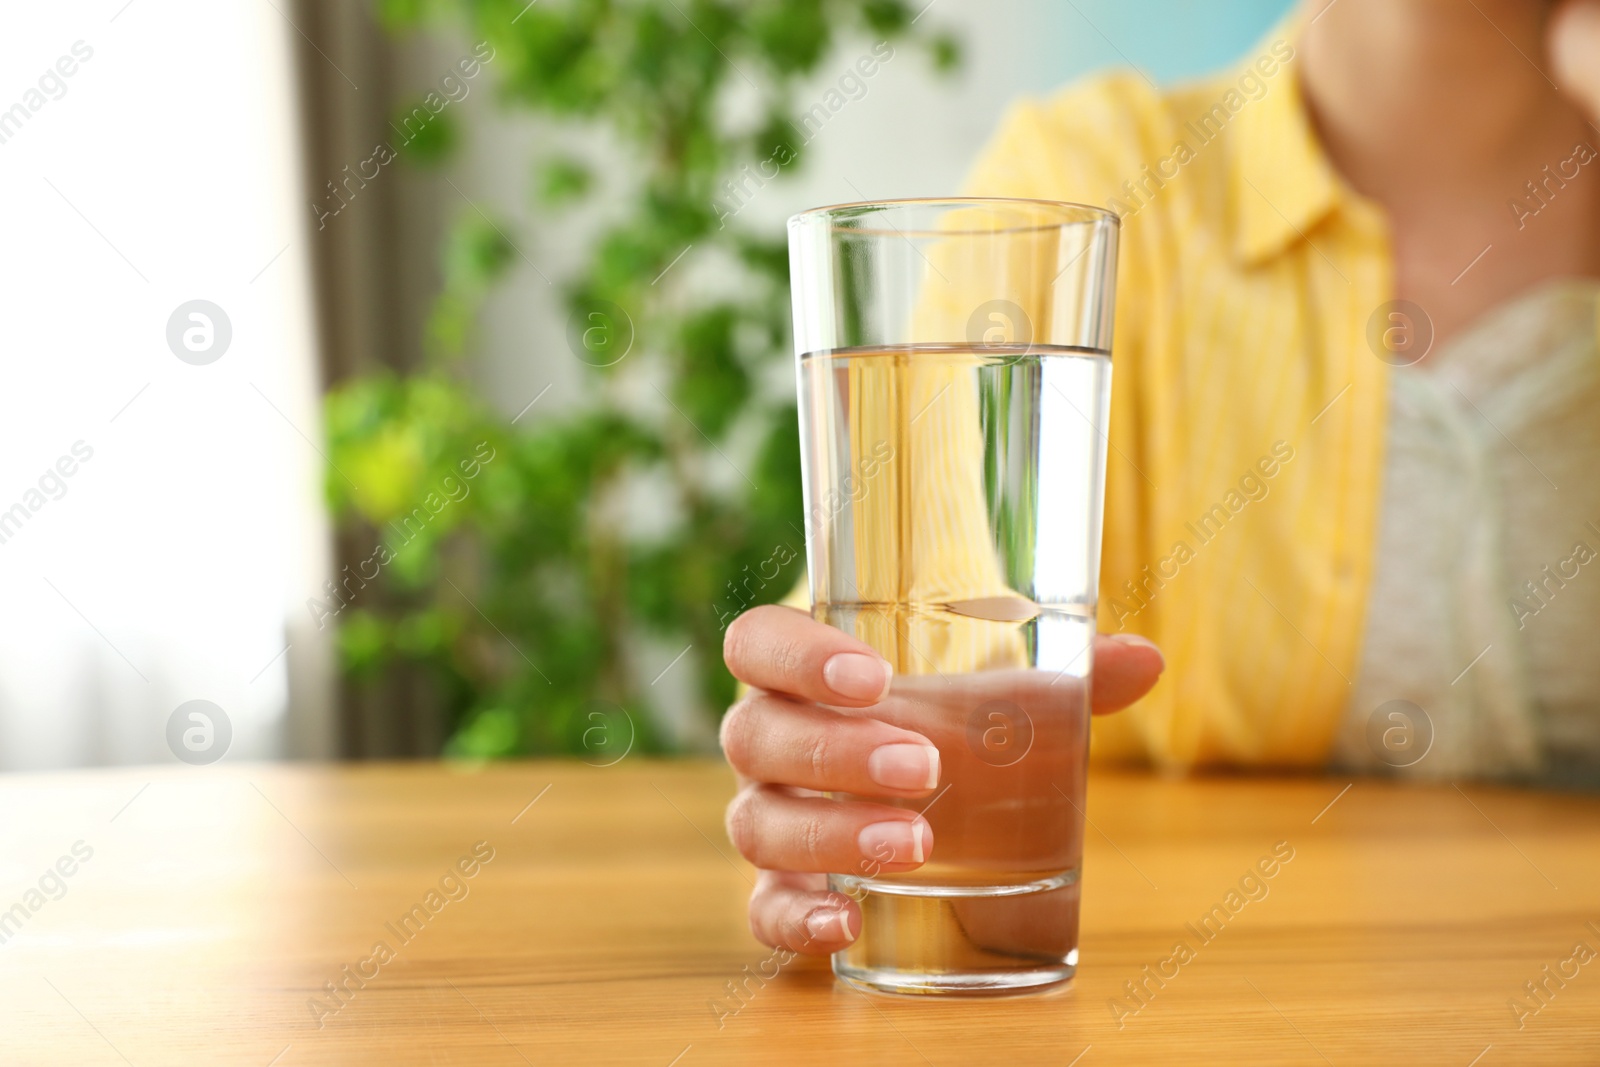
{"points": [[1283, 183]]}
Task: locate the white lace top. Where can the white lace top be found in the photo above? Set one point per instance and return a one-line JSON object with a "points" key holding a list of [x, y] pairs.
{"points": [[1485, 606]]}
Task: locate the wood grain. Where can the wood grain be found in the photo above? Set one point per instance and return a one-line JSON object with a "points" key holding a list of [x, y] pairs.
{"points": [[217, 903]]}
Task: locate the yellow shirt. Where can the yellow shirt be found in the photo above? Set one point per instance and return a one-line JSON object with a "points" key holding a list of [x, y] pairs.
{"points": [[1248, 405]]}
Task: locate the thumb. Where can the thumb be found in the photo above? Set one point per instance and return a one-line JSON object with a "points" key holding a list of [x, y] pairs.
{"points": [[1573, 41]]}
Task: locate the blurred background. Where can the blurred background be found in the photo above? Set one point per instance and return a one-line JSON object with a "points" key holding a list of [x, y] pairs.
{"points": [[389, 378]]}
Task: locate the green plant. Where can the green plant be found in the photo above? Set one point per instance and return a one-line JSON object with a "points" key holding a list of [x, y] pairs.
{"points": [[521, 596]]}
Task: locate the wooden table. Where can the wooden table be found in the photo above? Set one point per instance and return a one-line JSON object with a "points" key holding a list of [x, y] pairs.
{"points": [[217, 902]]}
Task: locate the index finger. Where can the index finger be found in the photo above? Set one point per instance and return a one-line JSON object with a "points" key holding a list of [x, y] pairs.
{"points": [[786, 651]]}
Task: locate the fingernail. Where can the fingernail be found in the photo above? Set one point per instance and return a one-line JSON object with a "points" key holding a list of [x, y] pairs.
{"points": [[904, 766], [857, 676], [1139, 641], [830, 924], [896, 842]]}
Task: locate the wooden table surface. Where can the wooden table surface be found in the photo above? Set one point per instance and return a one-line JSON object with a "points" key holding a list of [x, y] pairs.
{"points": [[206, 909]]}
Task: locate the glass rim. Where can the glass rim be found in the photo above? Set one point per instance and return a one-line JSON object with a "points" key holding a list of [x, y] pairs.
{"points": [[1085, 214]]}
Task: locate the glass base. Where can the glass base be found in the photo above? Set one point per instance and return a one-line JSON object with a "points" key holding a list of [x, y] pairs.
{"points": [[961, 940], [987, 984]]}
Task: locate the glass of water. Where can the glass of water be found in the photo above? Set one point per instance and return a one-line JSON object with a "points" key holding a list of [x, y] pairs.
{"points": [[954, 374]]}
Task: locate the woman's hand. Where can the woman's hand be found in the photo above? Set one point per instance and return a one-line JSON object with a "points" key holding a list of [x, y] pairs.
{"points": [[806, 727], [1573, 42]]}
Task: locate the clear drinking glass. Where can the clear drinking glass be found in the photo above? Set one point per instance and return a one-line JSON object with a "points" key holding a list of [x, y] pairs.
{"points": [[954, 374]]}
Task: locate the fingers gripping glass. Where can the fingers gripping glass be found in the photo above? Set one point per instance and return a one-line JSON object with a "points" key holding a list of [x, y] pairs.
{"points": [[954, 376]]}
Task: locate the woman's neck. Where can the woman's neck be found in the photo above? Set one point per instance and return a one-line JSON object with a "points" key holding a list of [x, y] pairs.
{"points": [[1418, 92], [1438, 111]]}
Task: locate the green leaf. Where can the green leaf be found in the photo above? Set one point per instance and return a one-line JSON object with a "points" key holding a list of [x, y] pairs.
{"points": [[492, 733], [792, 34], [363, 642], [404, 14], [712, 383], [425, 132], [521, 561], [887, 18], [478, 252], [563, 180]]}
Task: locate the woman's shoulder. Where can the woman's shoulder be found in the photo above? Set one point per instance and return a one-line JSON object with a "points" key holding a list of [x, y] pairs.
{"points": [[1078, 143], [1113, 139]]}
